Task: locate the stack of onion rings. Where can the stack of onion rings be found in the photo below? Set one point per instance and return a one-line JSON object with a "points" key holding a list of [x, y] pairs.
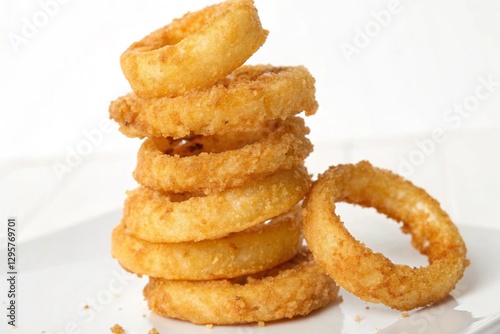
{"points": [[221, 172], [215, 223]]}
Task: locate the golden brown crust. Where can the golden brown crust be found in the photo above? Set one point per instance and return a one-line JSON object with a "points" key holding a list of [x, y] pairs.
{"points": [[247, 252], [247, 156], [371, 276], [252, 94], [194, 51], [295, 288], [162, 217]]}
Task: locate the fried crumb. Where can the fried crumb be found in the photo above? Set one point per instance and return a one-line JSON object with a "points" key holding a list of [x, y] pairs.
{"points": [[377, 330], [86, 307], [367, 308], [405, 315], [209, 326], [358, 318], [117, 329], [261, 323], [144, 316], [153, 331], [341, 299]]}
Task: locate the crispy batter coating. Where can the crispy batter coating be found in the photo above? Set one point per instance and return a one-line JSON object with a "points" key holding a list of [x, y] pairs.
{"points": [[194, 51], [247, 252], [213, 164], [244, 100], [295, 288], [164, 217], [371, 276]]}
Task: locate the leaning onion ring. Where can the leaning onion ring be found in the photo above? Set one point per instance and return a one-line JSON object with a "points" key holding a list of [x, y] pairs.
{"points": [[247, 98], [164, 217], [194, 51], [295, 288], [371, 276], [247, 252], [215, 163]]}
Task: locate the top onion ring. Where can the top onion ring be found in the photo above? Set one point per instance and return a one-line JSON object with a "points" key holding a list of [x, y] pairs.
{"points": [[194, 51], [371, 276]]}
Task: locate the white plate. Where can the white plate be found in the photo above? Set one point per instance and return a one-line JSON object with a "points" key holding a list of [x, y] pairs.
{"points": [[62, 273]]}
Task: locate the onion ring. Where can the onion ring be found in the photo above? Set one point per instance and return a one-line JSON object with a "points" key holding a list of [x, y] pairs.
{"points": [[247, 252], [295, 288], [194, 51], [371, 276], [215, 163], [252, 94], [161, 217]]}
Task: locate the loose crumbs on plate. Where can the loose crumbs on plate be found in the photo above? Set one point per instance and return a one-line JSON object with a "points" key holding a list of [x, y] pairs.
{"points": [[117, 329], [261, 323], [209, 326], [153, 331]]}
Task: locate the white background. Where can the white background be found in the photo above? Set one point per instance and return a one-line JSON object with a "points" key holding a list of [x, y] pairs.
{"points": [[375, 104]]}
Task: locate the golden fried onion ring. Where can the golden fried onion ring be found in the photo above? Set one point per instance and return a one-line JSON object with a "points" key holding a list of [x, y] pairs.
{"points": [[244, 100], [371, 276], [295, 288], [253, 250], [163, 217], [216, 163], [194, 51]]}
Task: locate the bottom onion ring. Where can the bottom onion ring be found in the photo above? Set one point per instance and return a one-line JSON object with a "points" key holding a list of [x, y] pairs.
{"points": [[247, 252], [371, 276], [295, 288], [163, 217]]}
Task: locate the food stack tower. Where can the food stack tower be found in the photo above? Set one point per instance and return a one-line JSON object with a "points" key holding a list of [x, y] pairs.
{"points": [[215, 222]]}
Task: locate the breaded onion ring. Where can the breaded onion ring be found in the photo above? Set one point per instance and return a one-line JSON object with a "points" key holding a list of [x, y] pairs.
{"points": [[244, 100], [194, 51], [295, 288], [247, 252], [371, 276], [215, 163], [164, 217]]}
